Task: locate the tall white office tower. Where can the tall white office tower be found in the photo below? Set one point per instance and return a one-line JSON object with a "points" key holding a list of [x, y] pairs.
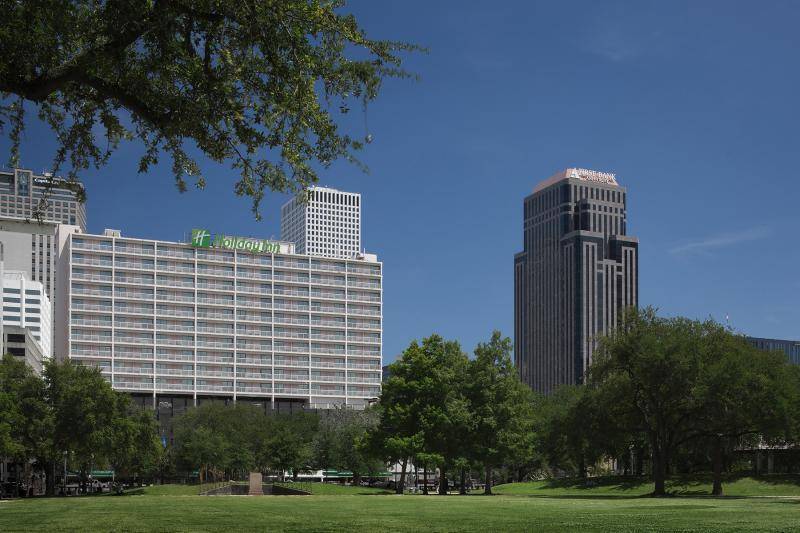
{"points": [[323, 222]]}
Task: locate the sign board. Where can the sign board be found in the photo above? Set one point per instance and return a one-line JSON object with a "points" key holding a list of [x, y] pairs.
{"points": [[201, 238]]}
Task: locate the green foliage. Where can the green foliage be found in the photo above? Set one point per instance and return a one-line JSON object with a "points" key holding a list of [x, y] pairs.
{"points": [[235, 439], [675, 381], [341, 441], [440, 409], [71, 412], [256, 84], [500, 408], [25, 422]]}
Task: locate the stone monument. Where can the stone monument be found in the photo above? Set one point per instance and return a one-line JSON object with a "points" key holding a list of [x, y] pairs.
{"points": [[255, 484]]}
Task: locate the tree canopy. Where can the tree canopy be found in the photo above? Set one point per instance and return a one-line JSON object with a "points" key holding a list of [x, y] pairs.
{"points": [[258, 85], [674, 381]]}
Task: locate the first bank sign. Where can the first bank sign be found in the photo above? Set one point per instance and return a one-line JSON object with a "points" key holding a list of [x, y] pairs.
{"points": [[201, 238]]}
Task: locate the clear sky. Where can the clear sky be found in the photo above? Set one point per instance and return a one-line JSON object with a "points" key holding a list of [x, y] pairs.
{"points": [[694, 105]]}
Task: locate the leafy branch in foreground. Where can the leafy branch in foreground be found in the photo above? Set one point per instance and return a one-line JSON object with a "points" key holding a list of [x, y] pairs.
{"points": [[253, 83]]}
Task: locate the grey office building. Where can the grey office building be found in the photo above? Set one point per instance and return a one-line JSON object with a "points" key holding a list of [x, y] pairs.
{"points": [[576, 274], [790, 348]]}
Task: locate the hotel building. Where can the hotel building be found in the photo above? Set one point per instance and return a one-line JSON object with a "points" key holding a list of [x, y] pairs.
{"points": [[217, 318], [578, 270], [323, 222]]}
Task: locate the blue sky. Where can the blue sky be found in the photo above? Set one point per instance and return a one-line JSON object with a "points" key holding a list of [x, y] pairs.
{"points": [[692, 104]]}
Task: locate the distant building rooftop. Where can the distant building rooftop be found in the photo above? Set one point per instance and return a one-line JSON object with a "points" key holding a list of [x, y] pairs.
{"points": [[605, 178]]}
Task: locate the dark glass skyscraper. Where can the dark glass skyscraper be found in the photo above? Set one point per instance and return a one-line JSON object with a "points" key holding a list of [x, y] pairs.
{"points": [[577, 272]]}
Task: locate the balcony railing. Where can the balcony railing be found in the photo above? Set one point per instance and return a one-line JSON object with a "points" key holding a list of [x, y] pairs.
{"points": [[91, 277], [91, 261], [188, 269], [215, 388], [327, 364], [132, 370], [213, 373], [84, 322], [214, 359], [261, 390], [253, 361], [356, 351], [173, 386], [363, 284], [215, 301], [175, 342], [137, 265], [211, 329], [363, 298], [214, 344], [89, 307], [93, 338], [134, 325], [80, 291], [174, 372], [363, 311], [251, 375], [167, 297], [175, 283], [362, 366], [215, 286], [86, 245]]}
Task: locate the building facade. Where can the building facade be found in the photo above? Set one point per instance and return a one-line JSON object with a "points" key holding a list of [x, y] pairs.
{"points": [[577, 272], [26, 196], [21, 343], [223, 317], [790, 348], [26, 306], [323, 222]]}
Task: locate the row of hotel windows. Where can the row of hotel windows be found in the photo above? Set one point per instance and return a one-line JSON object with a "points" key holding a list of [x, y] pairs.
{"points": [[211, 277], [189, 253]]}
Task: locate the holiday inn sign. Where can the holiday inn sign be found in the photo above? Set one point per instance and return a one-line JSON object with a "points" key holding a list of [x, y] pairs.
{"points": [[201, 238]]}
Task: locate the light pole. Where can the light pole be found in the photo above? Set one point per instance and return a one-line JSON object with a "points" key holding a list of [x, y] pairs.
{"points": [[65, 472]]}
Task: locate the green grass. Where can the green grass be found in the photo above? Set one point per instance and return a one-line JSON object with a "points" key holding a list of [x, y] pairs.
{"points": [[330, 489], [175, 508], [774, 485]]}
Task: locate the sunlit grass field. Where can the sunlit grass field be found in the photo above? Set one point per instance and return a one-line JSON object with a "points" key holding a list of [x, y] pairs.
{"points": [[517, 507]]}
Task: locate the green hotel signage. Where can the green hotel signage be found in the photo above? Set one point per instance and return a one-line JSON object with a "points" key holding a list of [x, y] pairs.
{"points": [[201, 238]]}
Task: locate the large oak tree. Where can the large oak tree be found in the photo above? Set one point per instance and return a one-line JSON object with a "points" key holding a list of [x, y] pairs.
{"points": [[255, 83]]}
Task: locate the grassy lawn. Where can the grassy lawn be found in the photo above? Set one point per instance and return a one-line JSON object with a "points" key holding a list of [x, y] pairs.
{"points": [[174, 509], [773, 485]]}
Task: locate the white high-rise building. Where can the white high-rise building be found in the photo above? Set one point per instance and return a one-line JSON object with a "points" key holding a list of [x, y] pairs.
{"points": [[323, 222], [25, 305]]}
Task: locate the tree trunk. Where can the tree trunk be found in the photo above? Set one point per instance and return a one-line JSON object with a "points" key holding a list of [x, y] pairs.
{"points": [[487, 481], [356, 478], [659, 472], [717, 489], [442, 481], [401, 485], [425, 480], [582, 467], [463, 488], [50, 487]]}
